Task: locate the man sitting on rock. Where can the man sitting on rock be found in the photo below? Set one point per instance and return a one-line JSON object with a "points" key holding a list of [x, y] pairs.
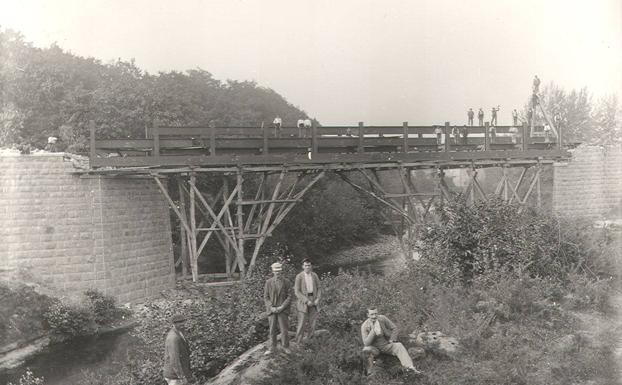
{"points": [[379, 334]]}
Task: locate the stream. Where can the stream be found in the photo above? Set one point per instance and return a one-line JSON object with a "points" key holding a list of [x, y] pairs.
{"points": [[63, 364]]}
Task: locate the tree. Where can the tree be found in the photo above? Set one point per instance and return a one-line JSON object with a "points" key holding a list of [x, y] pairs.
{"points": [[581, 119]]}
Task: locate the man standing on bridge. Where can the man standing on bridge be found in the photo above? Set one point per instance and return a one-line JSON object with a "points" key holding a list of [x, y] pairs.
{"points": [[493, 119], [277, 126], [470, 115], [308, 293], [277, 297], [480, 116]]}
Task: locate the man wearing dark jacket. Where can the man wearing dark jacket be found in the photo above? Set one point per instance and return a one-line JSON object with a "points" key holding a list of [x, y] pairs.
{"points": [[176, 354], [308, 293], [277, 297], [380, 335]]}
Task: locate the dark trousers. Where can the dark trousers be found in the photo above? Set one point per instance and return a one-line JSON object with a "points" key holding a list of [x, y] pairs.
{"points": [[470, 121], [481, 121], [283, 326]]}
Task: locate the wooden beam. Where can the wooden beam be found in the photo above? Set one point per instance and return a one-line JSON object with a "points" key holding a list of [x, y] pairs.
{"points": [[92, 152], [266, 221], [405, 137], [216, 218], [446, 135], [361, 135], [194, 255], [155, 132], [182, 231], [240, 220]]}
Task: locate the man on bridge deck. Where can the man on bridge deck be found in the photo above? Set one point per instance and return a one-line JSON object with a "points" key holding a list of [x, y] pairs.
{"points": [[480, 116], [277, 122], [470, 115]]}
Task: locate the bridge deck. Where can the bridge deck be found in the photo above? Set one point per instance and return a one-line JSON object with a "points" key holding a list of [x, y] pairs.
{"points": [[334, 147]]}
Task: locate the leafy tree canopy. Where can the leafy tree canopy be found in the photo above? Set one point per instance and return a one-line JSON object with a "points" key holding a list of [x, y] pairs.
{"points": [[52, 92]]}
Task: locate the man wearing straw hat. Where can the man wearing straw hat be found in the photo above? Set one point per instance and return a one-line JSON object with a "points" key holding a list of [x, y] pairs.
{"points": [[277, 296]]}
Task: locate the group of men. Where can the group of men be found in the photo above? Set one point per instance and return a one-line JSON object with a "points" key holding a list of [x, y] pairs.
{"points": [[493, 116], [378, 333], [304, 127]]}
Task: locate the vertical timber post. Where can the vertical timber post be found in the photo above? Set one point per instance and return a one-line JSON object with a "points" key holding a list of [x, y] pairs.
{"points": [[361, 148], [446, 134], [156, 139], [194, 258], [183, 236], [486, 136], [264, 130], [314, 145], [92, 149], [240, 220], [212, 140], [525, 135], [405, 138]]}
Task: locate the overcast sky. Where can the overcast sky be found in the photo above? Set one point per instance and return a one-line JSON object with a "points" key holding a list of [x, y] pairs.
{"points": [[344, 61]]}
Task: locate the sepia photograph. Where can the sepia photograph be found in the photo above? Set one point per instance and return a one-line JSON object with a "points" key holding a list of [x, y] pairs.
{"points": [[311, 192]]}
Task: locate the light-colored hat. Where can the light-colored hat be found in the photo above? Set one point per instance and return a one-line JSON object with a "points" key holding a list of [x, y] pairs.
{"points": [[277, 267]]}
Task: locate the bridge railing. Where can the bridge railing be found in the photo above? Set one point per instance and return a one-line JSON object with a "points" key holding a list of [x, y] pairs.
{"points": [[361, 139]]}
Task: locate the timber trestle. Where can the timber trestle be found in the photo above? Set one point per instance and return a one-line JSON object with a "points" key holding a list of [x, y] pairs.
{"points": [[261, 176]]}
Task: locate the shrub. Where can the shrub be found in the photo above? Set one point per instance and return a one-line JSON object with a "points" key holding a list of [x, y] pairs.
{"points": [[29, 378], [493, 236], [105, 310], [68, 320]]}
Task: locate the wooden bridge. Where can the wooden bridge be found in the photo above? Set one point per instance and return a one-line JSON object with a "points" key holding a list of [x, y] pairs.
{"points": [[256, 165]]}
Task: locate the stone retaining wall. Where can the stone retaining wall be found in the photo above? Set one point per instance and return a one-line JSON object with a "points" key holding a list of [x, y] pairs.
{"points": [[590, 185], [72, 233]]}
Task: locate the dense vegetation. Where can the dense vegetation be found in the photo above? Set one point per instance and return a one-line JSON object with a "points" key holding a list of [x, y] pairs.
{"points": [[52, 92], [518, 322]]}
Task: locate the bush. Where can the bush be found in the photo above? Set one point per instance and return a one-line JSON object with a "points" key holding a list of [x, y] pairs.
{"points": [[493, 236], [105, 310], [68, 320], [29, 378]]}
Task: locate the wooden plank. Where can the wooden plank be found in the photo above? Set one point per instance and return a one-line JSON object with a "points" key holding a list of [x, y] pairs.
{"points": [[299, 159], [92, 152], [361, 136], [240, 219], [155, 132]]}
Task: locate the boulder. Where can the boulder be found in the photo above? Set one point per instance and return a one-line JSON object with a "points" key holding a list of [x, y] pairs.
{"points": [[436, 342], [416, 353], [252, 365]]}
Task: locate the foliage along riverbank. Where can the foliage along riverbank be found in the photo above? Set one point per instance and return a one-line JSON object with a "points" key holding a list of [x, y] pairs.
{"points": [[515, 325]]}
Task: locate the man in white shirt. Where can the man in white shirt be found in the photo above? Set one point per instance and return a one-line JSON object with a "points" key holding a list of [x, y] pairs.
{"points": [[379, 335], [307, 124], [300, 124], [277, 126], [308, 293]]}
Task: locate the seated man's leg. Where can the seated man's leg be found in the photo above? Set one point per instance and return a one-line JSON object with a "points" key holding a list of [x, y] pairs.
{"points": [[370, 353], [398, 350]]}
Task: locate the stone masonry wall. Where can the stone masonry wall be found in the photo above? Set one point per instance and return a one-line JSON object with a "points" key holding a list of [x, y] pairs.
{"points": [[590, 185], [72, 233]]}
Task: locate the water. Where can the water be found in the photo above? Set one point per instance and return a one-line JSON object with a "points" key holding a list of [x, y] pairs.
{"points": [[377, 266], [64, 364]]}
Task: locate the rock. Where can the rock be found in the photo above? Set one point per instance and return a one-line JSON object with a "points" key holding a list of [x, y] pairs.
{"points": [[252, 365], [566, 344], [416, 353], [187, 302], [436, 342]]}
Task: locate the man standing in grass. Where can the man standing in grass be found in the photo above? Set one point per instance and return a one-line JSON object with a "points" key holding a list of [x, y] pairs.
{"points": [[176, 354], [277, 297], [308, 292], [379, 336]]}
